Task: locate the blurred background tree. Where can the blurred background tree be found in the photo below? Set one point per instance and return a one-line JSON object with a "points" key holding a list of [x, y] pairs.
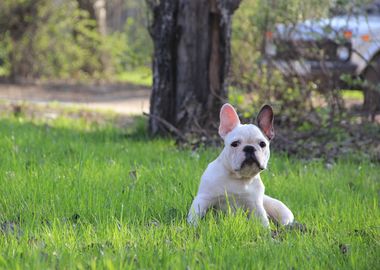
{"points": [[72, 39], [190, 64]]}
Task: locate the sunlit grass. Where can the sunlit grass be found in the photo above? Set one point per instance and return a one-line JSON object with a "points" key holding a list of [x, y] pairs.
{"points": [[4, 71], [78, 195], [353, 94], [140, 76]]}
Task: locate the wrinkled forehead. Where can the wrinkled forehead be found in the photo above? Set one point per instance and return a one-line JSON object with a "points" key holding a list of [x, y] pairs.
{"points": [[247, 133]]}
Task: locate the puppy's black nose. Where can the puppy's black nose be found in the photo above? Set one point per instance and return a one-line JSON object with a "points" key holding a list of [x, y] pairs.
{"points": [[249, 149]]}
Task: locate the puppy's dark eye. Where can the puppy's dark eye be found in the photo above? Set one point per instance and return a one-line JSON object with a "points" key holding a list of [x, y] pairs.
{"points": [[262, 144], [235, 143]]}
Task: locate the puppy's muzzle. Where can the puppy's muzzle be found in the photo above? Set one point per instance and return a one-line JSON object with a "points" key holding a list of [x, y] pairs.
{"points": [[250, 157]]}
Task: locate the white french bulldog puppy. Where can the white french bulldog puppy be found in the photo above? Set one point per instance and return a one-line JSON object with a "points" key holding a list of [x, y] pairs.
{"points": [[233, 179]]}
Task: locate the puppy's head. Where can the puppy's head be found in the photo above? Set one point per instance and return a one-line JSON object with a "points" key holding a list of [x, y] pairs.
{"points": [[246, 150]]}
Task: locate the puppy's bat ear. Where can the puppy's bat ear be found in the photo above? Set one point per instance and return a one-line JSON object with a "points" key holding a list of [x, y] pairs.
{"points": [[265, 121], [228, 120]]}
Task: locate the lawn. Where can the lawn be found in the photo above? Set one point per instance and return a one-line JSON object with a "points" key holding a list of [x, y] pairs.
{"points": [[141, 76], [74, 194]]}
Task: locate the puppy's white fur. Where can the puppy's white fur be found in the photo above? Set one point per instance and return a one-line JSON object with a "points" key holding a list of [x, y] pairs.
{"points": [[233, 179]]}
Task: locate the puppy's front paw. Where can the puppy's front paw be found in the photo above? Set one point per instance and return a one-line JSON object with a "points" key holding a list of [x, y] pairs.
{"points": [[265, 221], [192, 219], [287, 219], [262, 215]]}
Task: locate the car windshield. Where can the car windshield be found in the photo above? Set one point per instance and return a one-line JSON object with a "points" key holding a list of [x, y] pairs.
{"points": [[368, 9]]}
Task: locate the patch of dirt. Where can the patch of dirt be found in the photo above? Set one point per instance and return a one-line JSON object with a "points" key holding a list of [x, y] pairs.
{"points": [[11, 228], [119, 98], [47, 112]]}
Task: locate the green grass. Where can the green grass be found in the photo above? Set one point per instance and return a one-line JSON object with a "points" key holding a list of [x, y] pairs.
{"points": [[3, 71], [353, 94], [83, 196], [140, 76]]}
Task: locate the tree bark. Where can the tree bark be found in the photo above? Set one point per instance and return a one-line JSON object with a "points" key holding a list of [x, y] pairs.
{"points": [[101, 16], [371, 103], [96, 11], [191, 61], [88, 5], [24, 22]]}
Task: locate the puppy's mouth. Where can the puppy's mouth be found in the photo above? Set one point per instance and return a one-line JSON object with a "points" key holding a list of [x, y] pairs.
{"points": [[249, 161]]}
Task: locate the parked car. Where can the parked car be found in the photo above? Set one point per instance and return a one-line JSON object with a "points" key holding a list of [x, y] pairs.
{"points": [[344, 43]]}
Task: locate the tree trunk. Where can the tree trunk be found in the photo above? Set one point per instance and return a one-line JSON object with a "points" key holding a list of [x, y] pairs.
{"points": [[96, 11], [88, 5], [371, 103], [191, 61], [21, 29], [101, 16]]}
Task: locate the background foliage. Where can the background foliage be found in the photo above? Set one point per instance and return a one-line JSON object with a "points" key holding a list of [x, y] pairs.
{"points": [[57, 39], [251, 22], [313, 121], [44, 39]]}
